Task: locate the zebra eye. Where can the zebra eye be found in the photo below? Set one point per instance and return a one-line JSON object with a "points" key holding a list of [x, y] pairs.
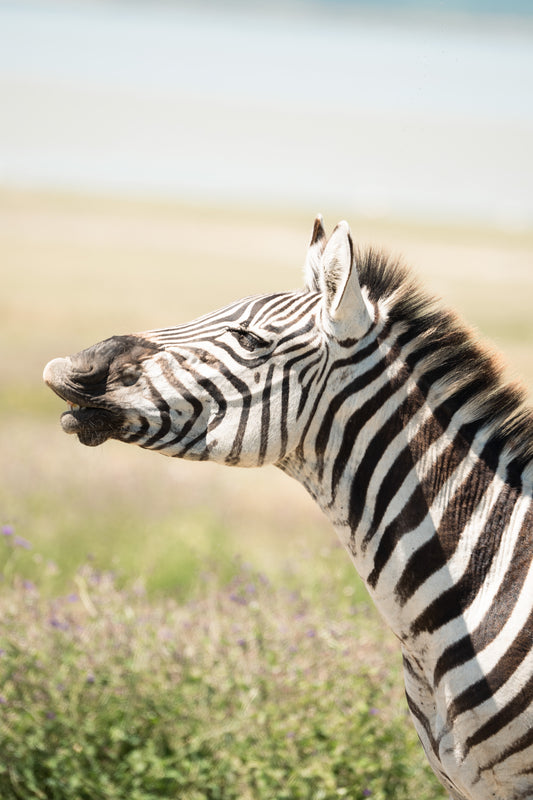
{"points": [[130, 374], [248, 340]]}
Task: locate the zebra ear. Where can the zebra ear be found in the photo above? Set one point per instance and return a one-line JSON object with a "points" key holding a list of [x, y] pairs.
{"points": [[314, 255], [344, 304]]}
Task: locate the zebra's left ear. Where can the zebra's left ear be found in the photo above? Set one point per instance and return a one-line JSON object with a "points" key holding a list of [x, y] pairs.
{"points": [[314, 255], [344, 304]]}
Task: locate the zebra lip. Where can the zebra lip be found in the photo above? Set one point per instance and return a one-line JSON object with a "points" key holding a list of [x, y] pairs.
{"points": [[77, 416], [92, 425]]}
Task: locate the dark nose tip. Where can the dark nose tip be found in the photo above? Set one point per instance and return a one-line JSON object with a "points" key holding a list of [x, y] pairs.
{"points": [[89, 366]]}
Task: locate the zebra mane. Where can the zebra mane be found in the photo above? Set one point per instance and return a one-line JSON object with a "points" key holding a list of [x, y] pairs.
{"points": [[442, 350]]}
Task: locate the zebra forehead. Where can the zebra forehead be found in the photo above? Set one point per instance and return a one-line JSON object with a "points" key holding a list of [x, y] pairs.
{"points": [[384, 278], [277, 309]]}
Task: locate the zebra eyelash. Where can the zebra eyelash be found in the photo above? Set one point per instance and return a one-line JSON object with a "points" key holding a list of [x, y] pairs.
{"points": [[249, 340]]}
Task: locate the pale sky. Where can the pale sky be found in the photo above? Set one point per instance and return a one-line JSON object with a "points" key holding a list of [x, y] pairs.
{"points": [[377, 116]]}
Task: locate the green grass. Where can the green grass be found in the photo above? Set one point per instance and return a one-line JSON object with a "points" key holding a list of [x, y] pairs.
{"points": [[249, 690]]}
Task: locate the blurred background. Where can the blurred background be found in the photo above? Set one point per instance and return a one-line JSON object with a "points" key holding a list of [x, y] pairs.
{"points": [[411, 109], [159, 159]]}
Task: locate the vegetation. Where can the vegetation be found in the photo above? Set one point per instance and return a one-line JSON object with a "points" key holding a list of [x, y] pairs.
{"points": [[164, 667], [248, 690]]}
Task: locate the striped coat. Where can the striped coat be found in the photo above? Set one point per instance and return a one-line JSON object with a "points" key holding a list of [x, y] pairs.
{"points": [[399, 425]]}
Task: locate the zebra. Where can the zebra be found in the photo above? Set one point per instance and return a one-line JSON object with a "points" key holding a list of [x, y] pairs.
{"points": [[400, 425]]}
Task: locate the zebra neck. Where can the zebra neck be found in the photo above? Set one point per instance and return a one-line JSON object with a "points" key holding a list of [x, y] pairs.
{"points": [[427, 505]]}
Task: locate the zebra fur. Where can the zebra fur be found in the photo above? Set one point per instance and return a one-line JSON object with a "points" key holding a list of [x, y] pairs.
{"points": [[399, 424]]}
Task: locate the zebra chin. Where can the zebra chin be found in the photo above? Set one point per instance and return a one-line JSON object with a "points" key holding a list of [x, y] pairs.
{"points": [[93, 426]]}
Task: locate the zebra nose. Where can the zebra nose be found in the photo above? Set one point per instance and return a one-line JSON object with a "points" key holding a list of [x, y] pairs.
{"points": [[89, 366], [55, 370], [81, 370]]}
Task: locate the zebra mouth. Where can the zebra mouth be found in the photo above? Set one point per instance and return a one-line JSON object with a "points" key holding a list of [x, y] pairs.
{"points": [[92, 423]]}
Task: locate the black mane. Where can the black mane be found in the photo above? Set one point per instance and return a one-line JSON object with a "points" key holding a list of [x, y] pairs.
{"points": [[444, 350]]}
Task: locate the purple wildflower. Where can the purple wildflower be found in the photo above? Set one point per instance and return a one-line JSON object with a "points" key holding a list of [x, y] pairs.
{"points": [[235, 598], [373, 711], [8, 530], [20, 542], [3, 700], [56, 623], [367, 792]]}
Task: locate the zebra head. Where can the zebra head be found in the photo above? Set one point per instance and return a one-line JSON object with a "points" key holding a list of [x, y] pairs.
{"points": [[236, 386]]}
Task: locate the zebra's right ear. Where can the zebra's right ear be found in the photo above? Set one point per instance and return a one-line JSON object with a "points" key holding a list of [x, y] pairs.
{"points": [[314, 256], [345, 308]]}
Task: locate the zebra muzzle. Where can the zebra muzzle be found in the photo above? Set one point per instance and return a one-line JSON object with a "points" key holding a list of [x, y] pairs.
{"points": [[93, 424]]}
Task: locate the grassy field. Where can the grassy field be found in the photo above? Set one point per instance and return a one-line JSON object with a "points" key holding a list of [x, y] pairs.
{"points": [[76, 270]]}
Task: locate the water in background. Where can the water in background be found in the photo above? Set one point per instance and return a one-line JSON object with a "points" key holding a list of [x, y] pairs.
{"points": [[395, 112]]}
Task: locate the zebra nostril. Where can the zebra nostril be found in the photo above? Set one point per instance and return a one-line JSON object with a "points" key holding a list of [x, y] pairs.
{"points": [[90, 373], [90, 366]]}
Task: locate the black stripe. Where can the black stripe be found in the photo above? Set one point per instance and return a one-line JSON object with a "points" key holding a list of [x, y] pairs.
{"points": [[520, 744], [417, 507], [251, 361], [306, 387], [285, 396], [434, 554], [265, 416], [233, 457], [312, 363], [454, 601], [429, 433], [361, 382], [197, 410], [500, 609], [412, 514], [164, 409], [295, 334], [424, 723], [299, 450], [286, 299], [132, 438], [352, 430], [503, 717], [296, 304], [486, 687], [376, 448]]}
